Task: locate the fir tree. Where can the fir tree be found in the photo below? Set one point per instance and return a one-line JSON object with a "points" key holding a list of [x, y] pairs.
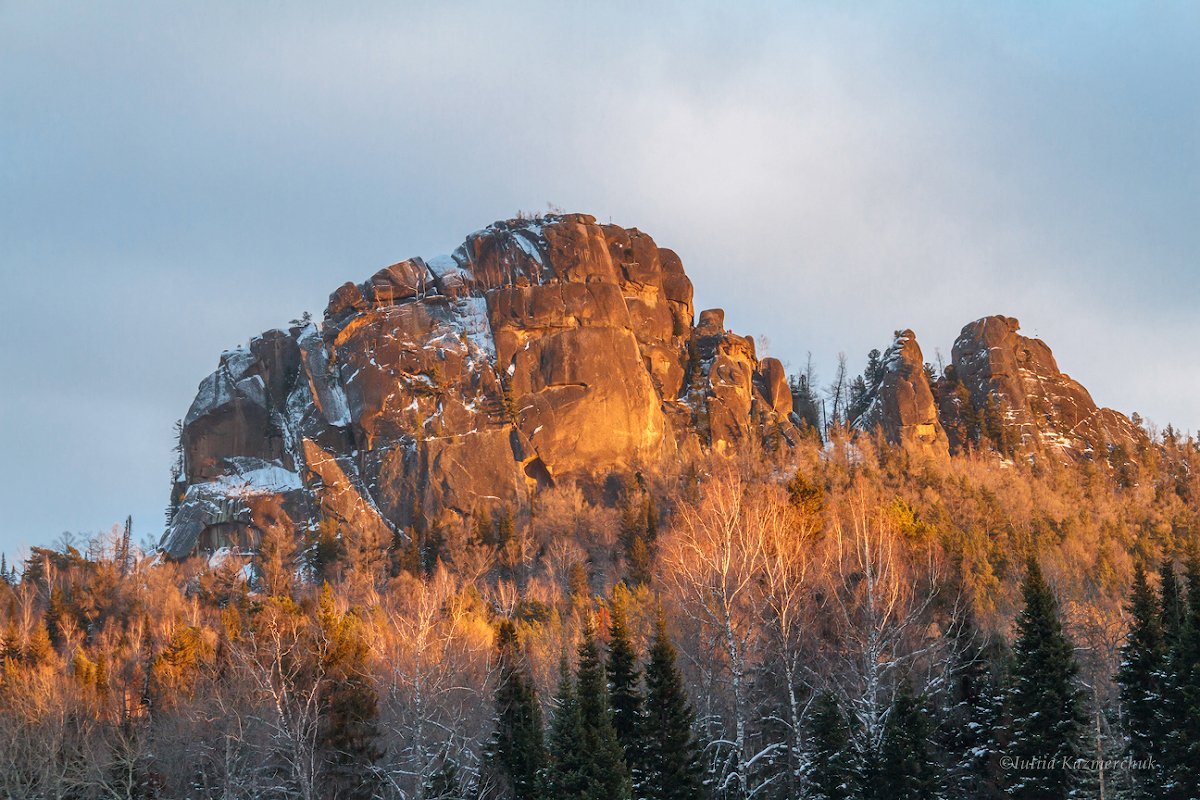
{"points": [[860, 399], [10, 641], [565, 778], [1139, 677], [1171, 602], [829, 772], [1179, 740], [641, 565], [1044, 703], [907, 768], [672, 768], [1190, 678], [516, 753], [625, 696], [974, 710], [604, 769]]}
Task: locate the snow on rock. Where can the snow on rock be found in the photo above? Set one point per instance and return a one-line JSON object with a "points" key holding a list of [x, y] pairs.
{"points": [[540, 351]]}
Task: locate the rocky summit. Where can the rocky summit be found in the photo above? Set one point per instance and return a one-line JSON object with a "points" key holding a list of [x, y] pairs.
{"points": [[544, 351], [540, 351]]}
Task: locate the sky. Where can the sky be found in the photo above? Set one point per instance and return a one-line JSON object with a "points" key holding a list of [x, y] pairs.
{"points": [[176, 178]]}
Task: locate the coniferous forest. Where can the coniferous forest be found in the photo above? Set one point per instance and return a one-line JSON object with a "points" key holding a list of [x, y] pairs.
{"points": [[837, 620]]}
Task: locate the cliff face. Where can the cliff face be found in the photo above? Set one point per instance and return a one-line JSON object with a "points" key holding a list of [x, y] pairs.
{"points": [[548, 351], [902, 402], [1010, 387], [540, 351]]}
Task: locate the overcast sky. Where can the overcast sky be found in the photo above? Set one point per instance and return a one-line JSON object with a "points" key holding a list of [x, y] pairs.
{"points": [[176, 178]]}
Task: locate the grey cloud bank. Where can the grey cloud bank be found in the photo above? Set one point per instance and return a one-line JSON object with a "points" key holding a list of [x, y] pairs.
{"points": [[174, 181]]}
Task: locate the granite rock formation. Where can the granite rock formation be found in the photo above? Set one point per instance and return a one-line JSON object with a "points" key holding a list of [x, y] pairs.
{"points": [[901, 401], [1009, 388], [541, 351]]}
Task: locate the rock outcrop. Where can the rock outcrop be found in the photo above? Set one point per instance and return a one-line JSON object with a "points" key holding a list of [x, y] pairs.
{"points": [[901, 400], [1008, 388], [540, 351], [547, 351]]}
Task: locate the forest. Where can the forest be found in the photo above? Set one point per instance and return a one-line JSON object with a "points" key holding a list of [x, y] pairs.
{"points": [[841, 619]]}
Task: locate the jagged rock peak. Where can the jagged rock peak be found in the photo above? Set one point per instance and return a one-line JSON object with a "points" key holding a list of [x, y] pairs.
{"points": [[901, 401], [540, 351], [1009, 388]]}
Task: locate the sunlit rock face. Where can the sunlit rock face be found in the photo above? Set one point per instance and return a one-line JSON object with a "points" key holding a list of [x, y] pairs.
{"points": [[1012, 387], [901, 403], [541, 351]]}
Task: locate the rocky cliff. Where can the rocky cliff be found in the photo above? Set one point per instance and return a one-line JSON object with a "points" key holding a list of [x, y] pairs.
{"points": [[1001, 391], [901, 400], [554, 350], [1009, 388], [540, 351]]}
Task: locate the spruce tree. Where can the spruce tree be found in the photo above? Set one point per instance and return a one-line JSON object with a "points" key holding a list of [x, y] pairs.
{"points": [[975, 706], [1139, 677], [907, 768], [516, 754], [10, 640], [625, 696], [1044, 703], [565, 778], [1171, 602], [604, 770], [829, 771], [1180, 710], [1190, 647], [672, 769]]}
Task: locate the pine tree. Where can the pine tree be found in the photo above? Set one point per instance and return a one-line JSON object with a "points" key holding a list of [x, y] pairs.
{"points": [[625, 695], [1044, 703], [10, 641], [641, 564], [565, 778], [579, 586], [907, 768], [1190, 656], [829, 772], [971, 724], [1139, 677], [1179, 732], [672, 768], [1171, 602], [604, 770], [323, 549], [860, 399], [516, 753]]}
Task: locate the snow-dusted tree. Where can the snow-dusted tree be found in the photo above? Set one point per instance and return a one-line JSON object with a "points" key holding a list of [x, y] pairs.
{"points": [[1044, 702], [1140, 678]]}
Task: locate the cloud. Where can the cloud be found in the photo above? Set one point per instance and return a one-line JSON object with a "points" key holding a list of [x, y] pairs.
{"points": [[179, 179]]}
